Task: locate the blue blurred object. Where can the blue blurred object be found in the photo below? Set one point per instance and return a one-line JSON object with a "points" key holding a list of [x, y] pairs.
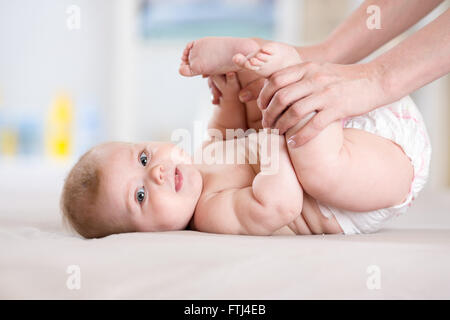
{"points": [[30, 134], [25, 128], [181, 19]]}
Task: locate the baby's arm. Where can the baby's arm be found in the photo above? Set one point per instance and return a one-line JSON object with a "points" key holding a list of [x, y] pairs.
{"points": [[230, 114], [273, 201]]}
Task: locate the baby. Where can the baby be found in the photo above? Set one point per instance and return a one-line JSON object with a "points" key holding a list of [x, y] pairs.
{"points": [[350, 179]]}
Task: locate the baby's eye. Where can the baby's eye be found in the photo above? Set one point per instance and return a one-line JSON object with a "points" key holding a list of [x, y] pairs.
{"points": [[140, 195], [143, 159]]}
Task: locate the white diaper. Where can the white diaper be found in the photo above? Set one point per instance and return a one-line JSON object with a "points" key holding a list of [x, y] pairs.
{"points": [[402, 123]]}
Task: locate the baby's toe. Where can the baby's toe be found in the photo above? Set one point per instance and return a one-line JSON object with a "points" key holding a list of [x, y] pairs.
{"points": [[270, 48], [185, 70], [264, 57], [186, 52], [250, 66], [254, 61], [239, 59], [189, 47]]}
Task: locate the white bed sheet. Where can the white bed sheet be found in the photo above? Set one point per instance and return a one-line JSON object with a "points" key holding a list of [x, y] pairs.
{"points": [[413, 260], [413, 264]]}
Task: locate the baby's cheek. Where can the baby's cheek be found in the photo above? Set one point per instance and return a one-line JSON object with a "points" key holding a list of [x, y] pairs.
{"points": [[170, 213], [159, 206], [163, 207], [178, 155]]}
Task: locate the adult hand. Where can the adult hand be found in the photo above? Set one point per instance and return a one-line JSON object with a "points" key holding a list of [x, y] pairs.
{"points": [[333, 91]]}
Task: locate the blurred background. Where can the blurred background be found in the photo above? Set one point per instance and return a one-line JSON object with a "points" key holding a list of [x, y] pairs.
{"points": [[76, 73]]}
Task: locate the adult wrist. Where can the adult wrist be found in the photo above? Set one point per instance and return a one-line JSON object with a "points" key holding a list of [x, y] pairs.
{"points": [[385, 80], [315, 53]]}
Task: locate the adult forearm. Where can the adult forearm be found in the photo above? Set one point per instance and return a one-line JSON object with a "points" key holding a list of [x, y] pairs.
{"points": [[418, 60], [353, 40]]}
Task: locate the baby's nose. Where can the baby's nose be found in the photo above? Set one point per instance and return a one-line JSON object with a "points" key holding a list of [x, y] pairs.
{"points": [[157, 173]]}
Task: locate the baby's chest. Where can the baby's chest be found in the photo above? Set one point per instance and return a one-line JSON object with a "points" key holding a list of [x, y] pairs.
{"points": [[229, 177]]}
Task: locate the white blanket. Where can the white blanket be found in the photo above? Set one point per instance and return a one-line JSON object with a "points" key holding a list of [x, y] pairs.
{"points": [[393, 264]]}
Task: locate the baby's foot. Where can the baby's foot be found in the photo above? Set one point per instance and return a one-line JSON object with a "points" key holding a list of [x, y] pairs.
{"points": [[272, 57], [211, 55]]}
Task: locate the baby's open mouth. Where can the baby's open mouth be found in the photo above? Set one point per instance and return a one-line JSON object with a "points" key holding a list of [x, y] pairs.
{"points": [[178, 180]]}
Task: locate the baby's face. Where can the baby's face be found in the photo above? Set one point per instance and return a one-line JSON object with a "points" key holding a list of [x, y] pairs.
{"points": [[149, 186]]}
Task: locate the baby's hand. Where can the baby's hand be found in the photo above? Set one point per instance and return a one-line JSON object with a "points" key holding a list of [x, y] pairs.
{"points": [[225, 87], [231, 113]]}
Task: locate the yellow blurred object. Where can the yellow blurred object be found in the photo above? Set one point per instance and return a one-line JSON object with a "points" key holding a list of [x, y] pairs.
{"points": [[59, 127], [8, 142]]}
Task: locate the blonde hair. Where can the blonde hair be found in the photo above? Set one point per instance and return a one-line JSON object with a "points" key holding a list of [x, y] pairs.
{"points": [[79, 199]]}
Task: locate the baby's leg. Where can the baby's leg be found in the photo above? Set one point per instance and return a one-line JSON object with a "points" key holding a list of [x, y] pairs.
{"points": [[352, 169], [347, 168]]}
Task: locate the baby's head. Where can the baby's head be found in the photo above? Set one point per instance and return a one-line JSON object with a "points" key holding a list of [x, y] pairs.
{"points": [[123, 187]]}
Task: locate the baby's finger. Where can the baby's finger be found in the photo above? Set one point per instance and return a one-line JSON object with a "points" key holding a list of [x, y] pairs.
{"points": [[216, 94], [232, 81], [220, 81]]}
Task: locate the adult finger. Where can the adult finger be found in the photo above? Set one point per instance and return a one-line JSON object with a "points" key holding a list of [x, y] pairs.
{"points": [[297, 112], [252, 90], [319, 122], [285, 98], [232, 81], [279, 80]]}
